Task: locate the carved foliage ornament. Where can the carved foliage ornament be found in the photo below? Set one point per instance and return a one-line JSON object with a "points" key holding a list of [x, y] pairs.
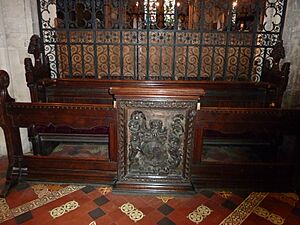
{"points": [[154, 139], [155, 148]]}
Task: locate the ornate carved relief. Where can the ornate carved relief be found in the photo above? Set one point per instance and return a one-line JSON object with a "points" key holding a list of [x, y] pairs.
{"points": [[155, 140], [155, 148]]}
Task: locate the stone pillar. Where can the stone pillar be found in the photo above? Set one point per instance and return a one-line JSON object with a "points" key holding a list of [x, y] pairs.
{"points": [[291, 40], [16, 28]]}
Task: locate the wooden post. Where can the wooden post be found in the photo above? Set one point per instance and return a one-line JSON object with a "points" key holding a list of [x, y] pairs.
{"points": [[12, 136]]}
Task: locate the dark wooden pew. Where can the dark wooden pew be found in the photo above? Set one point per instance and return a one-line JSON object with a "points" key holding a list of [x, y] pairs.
{"points": [[77, 116], [271, 131]]}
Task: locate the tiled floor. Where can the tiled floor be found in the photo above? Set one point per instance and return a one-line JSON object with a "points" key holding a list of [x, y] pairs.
{"points": [[49, 204]]}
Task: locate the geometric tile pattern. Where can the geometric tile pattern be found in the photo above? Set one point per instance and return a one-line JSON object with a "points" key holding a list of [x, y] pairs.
{"points": [[65, 208], [225, 194], [273, 218], [31, 203], [240, 214], [4, 210], [40, 190], [289, 198], [133, 213], [44, 189], [105, 190], [199, 214], [14, 212]]}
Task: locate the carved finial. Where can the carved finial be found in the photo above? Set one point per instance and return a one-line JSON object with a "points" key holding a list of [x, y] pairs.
{"points": [[4, 79], [34, 45], [35, 48], [29, 70], [28, 64]]}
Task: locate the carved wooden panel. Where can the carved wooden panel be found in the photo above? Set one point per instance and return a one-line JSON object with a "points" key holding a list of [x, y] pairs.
{"points": [[155, 140]]}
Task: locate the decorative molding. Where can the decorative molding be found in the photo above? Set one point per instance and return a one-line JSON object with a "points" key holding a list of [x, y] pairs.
{"points": [[57, 106]]}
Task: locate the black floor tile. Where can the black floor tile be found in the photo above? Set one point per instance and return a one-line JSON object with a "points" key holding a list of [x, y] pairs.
{"points": [[23, 217], [22, 186], [242, 194], [166, 221], [88, 189], [96, 213], [229, 205], [296, 212], [207, 193], [101, 200], [165, 209]]}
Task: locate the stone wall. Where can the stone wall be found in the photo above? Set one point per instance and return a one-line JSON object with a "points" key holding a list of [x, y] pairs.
{"points": [[16, 28], [291, 39]]}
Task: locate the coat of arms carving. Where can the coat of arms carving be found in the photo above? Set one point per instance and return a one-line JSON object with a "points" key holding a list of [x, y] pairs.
{"points": [[155, 148]]}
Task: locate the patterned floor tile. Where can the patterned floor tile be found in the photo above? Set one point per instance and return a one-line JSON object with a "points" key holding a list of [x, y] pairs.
{"points": [[165, 209], [296, 212], [229, 205], [166, 221], [88, 189], [31, 203], [101, 200], [23, 218], [207, 193], [22, 186], [96, 213]]}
